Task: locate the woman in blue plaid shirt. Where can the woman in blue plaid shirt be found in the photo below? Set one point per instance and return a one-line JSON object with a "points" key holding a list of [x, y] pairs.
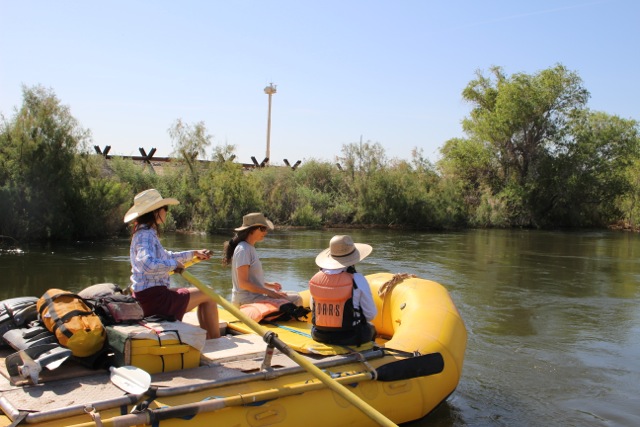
{"points": [[151, 265]]}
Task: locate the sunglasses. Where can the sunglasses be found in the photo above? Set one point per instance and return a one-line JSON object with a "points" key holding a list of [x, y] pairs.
{"points": [[262, 228]]}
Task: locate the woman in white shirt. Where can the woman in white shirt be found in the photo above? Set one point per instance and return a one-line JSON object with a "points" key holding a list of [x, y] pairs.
{"points": [[247, 274]]}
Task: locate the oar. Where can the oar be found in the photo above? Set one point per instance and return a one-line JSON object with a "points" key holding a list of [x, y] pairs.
{"points": [[404, 369], [131, 379], [272, 339], [154, 416], [412, 367]]}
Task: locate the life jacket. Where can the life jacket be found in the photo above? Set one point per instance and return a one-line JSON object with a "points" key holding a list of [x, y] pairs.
{"points": [[74, 324], [16, 313], [260, 310], [270, 311], [333, 302]]}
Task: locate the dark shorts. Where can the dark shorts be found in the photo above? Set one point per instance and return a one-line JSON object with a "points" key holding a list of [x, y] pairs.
{"points": [[160, 300]]}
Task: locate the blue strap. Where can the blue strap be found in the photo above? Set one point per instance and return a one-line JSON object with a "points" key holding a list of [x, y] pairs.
{"points": [[295, 331]]}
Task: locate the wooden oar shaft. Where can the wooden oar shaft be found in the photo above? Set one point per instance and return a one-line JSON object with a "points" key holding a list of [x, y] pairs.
{"points": [[191, 409], [280, 345]]}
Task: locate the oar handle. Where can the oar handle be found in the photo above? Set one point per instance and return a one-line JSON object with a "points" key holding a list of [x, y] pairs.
{"points": [[189, 263], [280, 345], [192, 261]]}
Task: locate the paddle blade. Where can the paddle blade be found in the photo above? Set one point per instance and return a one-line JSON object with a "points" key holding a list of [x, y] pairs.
{"points": [[130, 379], [413, 367], [28, 363], [52, 357]]}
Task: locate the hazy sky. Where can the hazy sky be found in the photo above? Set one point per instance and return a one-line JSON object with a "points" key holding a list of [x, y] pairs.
{"points": [[390, 72]]}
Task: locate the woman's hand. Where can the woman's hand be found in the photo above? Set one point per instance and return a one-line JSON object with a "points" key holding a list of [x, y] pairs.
{"points": [[276, 290], [273, 285], [276, 294], [203, 253], [179, 268]]}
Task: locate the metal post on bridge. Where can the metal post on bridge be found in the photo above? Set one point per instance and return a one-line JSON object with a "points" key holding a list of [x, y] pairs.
{"points": [[104, 153], [147, 157], [295, 166], [264, 163], [221, 158]]}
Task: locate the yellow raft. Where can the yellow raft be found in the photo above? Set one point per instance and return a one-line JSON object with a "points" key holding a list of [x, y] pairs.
{"points": [[419, 355]]}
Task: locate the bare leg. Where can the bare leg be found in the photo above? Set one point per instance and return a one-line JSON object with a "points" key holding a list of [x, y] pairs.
{"points": [[208, 318], [207, 312]]}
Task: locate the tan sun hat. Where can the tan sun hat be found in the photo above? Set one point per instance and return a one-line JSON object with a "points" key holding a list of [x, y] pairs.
{"points": [[253, 220], [147, 201], [342, 252]]}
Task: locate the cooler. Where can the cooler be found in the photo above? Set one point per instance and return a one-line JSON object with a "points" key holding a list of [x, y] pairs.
{"points": [[157, 346]]}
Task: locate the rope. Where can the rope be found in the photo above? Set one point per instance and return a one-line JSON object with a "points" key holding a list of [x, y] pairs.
{"points": [[389, 285]]}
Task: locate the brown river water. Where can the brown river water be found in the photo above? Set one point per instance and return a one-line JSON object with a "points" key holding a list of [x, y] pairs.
{"points": [[553, 317]]}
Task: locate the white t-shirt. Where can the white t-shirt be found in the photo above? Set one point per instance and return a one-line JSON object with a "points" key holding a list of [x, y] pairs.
{"points": [[245, 254]]}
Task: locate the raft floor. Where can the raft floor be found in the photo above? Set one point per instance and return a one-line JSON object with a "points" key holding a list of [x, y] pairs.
{"points": [[227, 359]]}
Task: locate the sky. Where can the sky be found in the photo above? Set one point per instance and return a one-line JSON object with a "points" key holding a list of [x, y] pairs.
{"points": [[387, 72]]}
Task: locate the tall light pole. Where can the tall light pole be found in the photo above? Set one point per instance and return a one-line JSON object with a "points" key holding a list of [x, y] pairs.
{"points": [[269, 90]]}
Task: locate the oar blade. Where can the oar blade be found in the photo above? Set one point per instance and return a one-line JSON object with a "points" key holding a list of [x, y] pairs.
{"points": [[131, 379], [413, 367]]}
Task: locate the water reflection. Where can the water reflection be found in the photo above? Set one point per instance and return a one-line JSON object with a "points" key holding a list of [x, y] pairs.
{"points": [[553, 319]]}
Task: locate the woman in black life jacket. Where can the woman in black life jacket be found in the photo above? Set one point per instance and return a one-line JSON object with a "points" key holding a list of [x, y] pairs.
{"points": [[341, 299]]}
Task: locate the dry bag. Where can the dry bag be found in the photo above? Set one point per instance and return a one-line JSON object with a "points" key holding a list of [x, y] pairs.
{"points": [[74, 324]]}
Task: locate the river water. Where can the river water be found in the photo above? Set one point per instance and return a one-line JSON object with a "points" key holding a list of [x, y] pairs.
{"points": [[553, 317]]}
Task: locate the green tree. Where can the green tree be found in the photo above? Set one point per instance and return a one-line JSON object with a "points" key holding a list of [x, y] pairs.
{"points": [[630, 203], [225, 194], [361, 161], [523, 116], [398, 195], [324, 195], [584, 180], [189, 141], [50, 187], [278, 191], [362, 157], [522, 120], [470, 163]]}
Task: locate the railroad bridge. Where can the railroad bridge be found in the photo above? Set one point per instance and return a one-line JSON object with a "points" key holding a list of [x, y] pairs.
{"points": [[149, 159]]}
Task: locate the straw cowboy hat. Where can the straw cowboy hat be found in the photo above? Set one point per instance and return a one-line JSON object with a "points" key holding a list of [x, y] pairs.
{"points": [[342, 252], [147, 201], [254, 219]]}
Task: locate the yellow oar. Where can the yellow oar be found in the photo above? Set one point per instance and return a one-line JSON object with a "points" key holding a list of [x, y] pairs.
{"points": [[272, 339]]}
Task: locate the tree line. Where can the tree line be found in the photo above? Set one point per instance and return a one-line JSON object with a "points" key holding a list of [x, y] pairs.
{"points": [[533, 156]]}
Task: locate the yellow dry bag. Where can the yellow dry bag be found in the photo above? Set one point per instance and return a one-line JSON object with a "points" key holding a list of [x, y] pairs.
{"points": [[74, 324]]}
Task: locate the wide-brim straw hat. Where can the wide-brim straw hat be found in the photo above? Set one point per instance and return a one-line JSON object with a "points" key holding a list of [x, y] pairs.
{"points": [[147, 201], [254, 219], [342, 252]]}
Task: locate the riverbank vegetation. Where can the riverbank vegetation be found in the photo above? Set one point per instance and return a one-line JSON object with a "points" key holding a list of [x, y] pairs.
{"points": [[534, 156]]}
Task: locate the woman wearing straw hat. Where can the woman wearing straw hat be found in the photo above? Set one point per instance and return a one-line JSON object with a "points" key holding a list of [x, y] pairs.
{"points": [[151, 265], [341, 300], [247, 275]]}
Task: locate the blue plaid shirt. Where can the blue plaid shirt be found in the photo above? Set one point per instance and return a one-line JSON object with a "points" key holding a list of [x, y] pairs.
{"points": [[150, 262]]}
